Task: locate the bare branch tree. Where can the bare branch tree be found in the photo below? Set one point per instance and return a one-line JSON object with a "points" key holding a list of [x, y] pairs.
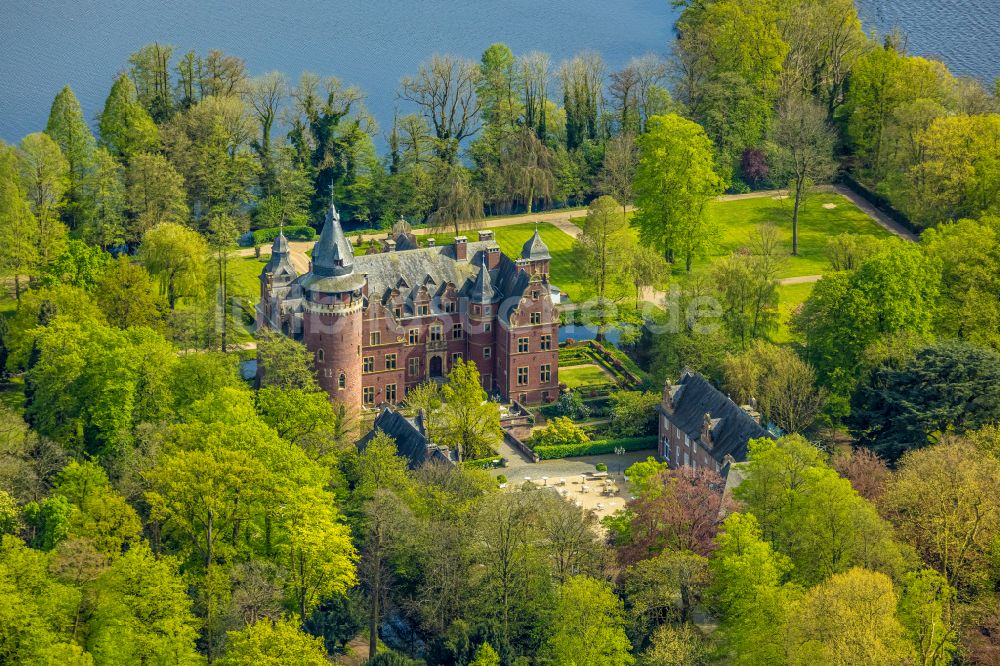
{"points": [[264, 95], [621, 157], [805, 151], [445, 91]]}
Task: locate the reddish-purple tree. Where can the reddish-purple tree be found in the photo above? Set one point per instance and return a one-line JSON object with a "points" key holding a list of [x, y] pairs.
{"points": [[680, 510], [753, 166], [866, 471]]}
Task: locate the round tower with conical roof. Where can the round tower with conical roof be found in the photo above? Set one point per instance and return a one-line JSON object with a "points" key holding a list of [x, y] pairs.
{"points": [[332, 313]]}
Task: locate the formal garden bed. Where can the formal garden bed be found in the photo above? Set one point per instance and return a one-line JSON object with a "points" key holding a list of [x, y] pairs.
{"points": [[626, 421]]}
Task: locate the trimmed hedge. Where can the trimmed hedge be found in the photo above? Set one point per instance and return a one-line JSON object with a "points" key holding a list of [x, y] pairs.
{"points": [[484, 463], [599, 447], [302, 232], [879, 201]]}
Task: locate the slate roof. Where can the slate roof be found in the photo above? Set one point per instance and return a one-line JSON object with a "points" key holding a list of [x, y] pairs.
{"points": [[410, 437], [280, 263], [433, 267], [732, 428], [332, 255], [482, 290], [535, 249]]}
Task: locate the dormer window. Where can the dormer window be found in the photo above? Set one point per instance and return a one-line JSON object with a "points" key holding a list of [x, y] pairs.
{"points": [[397, 312], [423, 310]]}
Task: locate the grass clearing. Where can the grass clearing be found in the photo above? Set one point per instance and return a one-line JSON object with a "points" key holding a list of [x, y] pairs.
{"points": [[790, 297], [244, 277], [734, 221], [584, 375]]}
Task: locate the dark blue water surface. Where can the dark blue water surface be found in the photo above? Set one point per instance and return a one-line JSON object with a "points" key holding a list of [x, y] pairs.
{"points": [[372, 43]]}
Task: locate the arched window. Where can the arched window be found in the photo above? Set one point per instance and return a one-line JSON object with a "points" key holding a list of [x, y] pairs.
{"points": [[320, 355], [342, 381]]}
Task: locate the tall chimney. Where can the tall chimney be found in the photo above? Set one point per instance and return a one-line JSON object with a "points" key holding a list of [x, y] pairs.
{"points": [[461, 248]]}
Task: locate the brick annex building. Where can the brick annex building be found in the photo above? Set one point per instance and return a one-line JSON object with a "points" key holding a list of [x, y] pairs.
{"points": [[381, 323]]}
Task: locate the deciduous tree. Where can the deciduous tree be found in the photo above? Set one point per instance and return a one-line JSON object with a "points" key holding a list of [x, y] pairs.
{"points": [[590, 625], [805, 151], [176, 256], [471, 421], [674, 182], [269, 642], [849, 618], [155, 194], [444, 89], [941, 504]]}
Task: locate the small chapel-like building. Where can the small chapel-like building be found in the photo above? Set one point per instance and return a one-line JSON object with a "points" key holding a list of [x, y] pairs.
{"points": [[380, 324]]}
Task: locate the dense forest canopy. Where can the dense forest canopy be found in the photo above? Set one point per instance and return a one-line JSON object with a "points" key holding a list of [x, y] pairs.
{"points": [[155, 507]]}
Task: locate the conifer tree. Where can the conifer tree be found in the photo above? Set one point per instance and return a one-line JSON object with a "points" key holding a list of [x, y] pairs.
{"points": [[69, 130], [126, 127]]}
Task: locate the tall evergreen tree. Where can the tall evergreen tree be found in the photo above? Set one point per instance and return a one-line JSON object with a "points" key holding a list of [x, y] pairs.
{"points": [[69, 130], [126, 127]]}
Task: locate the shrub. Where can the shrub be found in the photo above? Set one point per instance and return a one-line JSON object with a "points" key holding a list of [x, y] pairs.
{"points": [[484, 463], [560, 431], [595, 448], [571, 404], [601, 467], [633, 414], [301, 232], [501, 478]]}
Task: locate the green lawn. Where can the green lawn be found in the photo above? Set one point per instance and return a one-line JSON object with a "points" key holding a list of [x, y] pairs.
{"points": [[734, 221], [583, 375], [565, 273], [244, 277], [790, 297]]}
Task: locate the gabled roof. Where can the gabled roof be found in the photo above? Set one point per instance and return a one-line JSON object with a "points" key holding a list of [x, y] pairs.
{"points": [[332, 255], [410, 436], [535, 249], [732, 427]]}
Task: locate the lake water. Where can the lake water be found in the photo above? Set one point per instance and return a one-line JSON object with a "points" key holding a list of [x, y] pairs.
{"points": [[45, 44]]}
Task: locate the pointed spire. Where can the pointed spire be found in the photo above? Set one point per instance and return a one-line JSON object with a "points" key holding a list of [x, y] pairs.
{"points": [[280, 245], [332, 254], [535, 249], [482, 291]]}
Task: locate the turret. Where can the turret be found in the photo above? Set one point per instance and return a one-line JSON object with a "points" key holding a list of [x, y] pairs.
{"points": [[332, 313], [275, 281], [535, 256]]}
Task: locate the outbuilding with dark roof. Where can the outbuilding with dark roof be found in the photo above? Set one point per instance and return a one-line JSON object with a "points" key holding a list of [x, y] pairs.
{"points": [[701, 427]]}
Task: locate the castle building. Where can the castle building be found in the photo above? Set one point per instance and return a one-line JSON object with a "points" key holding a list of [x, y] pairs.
{"points": [[380, 324]]}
